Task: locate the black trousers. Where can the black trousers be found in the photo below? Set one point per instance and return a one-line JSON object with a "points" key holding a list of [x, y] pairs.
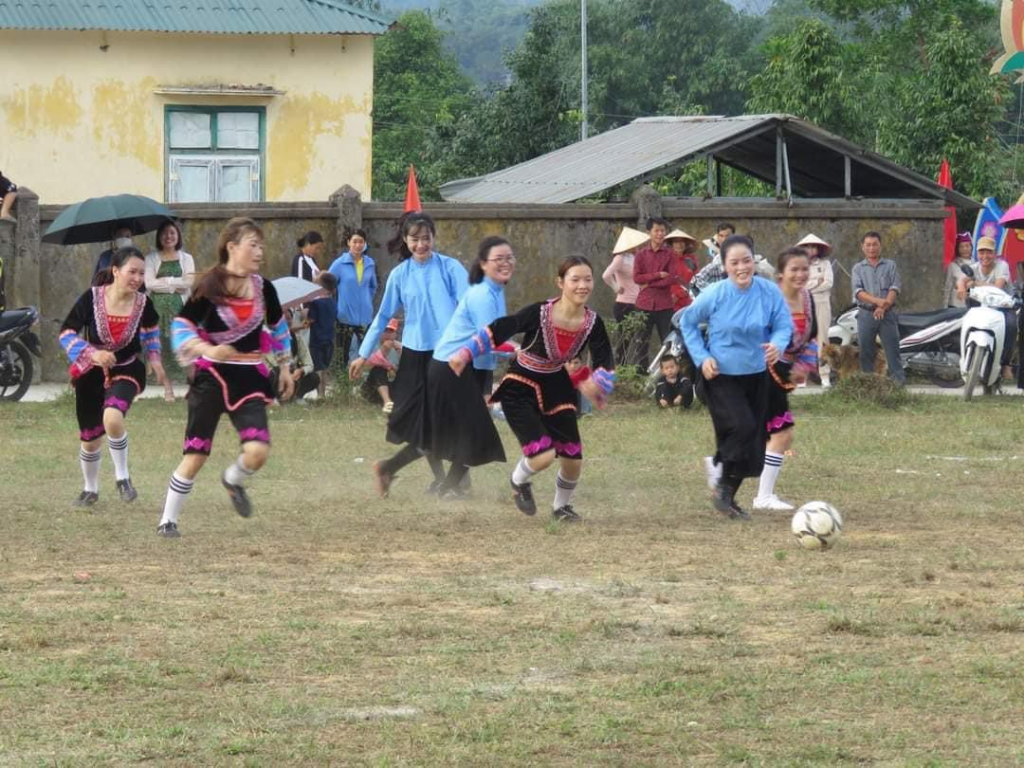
{"points": [[625, 349], [343, 339], [738, 405], [653, 318]]}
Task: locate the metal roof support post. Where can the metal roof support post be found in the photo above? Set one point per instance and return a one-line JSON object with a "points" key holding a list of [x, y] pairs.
{"points": [[785, 165], [718, 178], [711, 176], [847, 177], [778, 162]]}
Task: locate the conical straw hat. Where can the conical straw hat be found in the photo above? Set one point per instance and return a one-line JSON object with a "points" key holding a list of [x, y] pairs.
{"points": [[815, 240], [678, 234], [629, 239]]}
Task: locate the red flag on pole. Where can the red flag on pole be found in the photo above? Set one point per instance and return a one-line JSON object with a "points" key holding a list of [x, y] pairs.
{"points": [[949, 226], [412, 193]]}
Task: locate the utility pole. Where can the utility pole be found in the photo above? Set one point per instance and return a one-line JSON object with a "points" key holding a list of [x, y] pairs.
{"points": [[583, 85]]}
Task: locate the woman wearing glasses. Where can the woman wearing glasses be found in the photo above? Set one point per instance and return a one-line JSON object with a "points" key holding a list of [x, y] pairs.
{"points": [[462, 430], [427, 286]]}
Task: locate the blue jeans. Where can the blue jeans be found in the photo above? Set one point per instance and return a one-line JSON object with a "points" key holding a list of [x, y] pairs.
{"points": [[886, 328]]}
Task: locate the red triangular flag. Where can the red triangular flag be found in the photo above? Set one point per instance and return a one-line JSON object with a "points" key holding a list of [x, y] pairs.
{"points": [[949, 225], [412, 193]]}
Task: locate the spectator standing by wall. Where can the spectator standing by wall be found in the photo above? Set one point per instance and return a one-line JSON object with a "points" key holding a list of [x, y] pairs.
{"points": [[169, 275], [819, 283], [8, 194], [357, 285], [964, 251], [619, 277], [120, 237], [320, 315], [876, 285], [306, 263], [653, 272]]}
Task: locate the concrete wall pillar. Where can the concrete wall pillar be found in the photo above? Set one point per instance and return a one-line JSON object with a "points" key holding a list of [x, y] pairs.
{"points": [[23, 273], [648, 204], [349, 205]]}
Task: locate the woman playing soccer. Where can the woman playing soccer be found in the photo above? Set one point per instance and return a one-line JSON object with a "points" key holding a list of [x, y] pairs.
{"points": [[223, 331], [109, 328], [537, 395]]}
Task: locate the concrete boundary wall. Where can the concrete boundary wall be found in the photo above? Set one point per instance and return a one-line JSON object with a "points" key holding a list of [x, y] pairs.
{"points": [[52, 277]]}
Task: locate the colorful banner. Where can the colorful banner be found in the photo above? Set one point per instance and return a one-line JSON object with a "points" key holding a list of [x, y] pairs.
{"points": [[987, 225]]}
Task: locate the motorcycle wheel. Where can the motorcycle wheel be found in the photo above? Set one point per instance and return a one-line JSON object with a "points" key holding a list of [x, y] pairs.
{"points": [[15, 371], [974, 372]]}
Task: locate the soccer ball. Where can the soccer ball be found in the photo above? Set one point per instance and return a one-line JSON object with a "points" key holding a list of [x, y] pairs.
{"points": [[817, 525]]}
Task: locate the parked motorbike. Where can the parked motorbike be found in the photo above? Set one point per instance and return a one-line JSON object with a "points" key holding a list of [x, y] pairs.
{"points": [[929, 341], [17, 345], [983, 338]]}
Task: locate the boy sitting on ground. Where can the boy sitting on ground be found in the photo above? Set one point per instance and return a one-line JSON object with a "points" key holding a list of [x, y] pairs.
{"points": [[672, 389]]}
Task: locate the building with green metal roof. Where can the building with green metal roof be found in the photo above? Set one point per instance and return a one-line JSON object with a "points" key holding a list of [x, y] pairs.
{"points": [[190, 101]]}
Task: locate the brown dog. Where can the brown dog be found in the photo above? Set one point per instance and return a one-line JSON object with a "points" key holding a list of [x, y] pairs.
{"points": [[845, 360]]}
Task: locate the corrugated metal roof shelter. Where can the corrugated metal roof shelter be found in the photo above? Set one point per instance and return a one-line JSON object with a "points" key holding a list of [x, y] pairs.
{"points": [[229, 17], [801, 159]]}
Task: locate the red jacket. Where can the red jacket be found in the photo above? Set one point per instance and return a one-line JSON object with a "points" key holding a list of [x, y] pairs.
{"points": [[655, 292], [680, 296]]}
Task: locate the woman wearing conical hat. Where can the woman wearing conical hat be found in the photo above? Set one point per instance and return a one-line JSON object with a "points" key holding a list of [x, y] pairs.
{"points": [[619, 277], [819, 283]]}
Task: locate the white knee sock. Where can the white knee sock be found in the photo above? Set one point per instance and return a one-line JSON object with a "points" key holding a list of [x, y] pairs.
{"points": [[237, 474], [564, 489], [177, 490], [119, 454], [522, 473], [90, 463], [770, 473]]}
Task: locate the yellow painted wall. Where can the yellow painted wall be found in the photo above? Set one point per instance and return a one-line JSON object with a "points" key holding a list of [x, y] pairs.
{"points": [[77, 121]]}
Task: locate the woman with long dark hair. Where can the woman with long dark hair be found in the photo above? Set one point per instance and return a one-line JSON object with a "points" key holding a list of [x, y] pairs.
{"points": [[462, 429], [427, 286], [748, 326], [109, 328], [793, 271], [223, 330], [537, 395], [169, 275]]}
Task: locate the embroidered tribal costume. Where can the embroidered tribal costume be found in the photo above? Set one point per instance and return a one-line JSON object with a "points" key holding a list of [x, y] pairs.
{"points": [[239, 386], [88, 329], [537, 395]]}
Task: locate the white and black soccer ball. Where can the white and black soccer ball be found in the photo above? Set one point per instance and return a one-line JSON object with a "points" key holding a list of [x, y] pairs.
{"points": [[817, 525]]}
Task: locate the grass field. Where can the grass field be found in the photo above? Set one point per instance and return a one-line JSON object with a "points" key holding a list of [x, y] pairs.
{"points": [[334, 628]]}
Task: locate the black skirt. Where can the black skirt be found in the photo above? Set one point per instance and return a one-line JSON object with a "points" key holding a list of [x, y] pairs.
{"points": [[778, 416], [462, 430], [409, 422], [738, 405]]}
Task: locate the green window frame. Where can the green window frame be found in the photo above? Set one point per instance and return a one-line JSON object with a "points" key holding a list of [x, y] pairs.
{"points": [[174, 156]]}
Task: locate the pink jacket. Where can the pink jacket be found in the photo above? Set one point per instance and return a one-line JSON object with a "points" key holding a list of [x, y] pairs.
{"points": [[620, 275]]}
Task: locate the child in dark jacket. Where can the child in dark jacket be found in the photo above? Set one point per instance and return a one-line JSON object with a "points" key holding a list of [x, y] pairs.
{"points": [[321, 315], [672, 388]]}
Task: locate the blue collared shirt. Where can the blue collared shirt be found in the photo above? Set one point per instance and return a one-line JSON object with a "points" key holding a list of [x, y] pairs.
{"points": [[428, 293], [739, 321], [480, 306], [355, 299]]}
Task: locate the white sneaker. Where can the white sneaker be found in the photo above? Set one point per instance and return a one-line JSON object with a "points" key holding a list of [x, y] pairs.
{"points": [[714, 472], [826, 382], [772, 503]]}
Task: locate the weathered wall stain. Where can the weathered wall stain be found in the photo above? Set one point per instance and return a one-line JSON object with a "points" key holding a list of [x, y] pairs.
{"points": [[294, 128], [39, 109], [124, 126]]}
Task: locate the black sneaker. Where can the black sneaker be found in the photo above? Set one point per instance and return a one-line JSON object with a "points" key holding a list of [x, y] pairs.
{"points": [[87, 499], [126, 490], [239, 498], [687, 392], [566, 514], [524, 498], [724, 501], [168, 531]]}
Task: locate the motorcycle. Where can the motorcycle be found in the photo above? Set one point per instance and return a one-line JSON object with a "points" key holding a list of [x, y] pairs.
{"points": [[17, 344], [983, 338], [929, 341]]}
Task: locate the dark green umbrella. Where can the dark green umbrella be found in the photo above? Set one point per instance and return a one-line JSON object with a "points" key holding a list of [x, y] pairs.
{"points": [[93, 220]]}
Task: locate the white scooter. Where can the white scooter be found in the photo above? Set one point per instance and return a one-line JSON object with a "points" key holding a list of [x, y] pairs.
{"points": [[983, 338]]}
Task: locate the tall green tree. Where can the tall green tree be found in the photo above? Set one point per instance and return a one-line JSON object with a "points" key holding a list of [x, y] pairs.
{"points": [[420, 95]]}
